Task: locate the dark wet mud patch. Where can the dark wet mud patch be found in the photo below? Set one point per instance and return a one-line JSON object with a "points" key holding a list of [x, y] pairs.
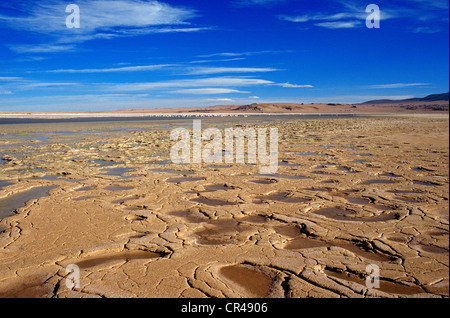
{"points": [[218, 187], [223, 232], [4, 184], [125, 256], [28, 287], [386, 286], [358, 248], [15, 201], [426, 183], [117, 188], [379, 181], [285, 197], [211, 202], [90, 188], [433, 249], [84, 198], [265, 181], [118, 172], [251, 279], [304, 243], [351, 216]]}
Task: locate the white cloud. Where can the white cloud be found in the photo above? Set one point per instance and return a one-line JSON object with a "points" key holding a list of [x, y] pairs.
{"points": [[41, 48], [208, 91], [254, 97], [288, 85], [340, 24], [198, 82], [5, 92], [246, 3], [219, 100], [99, 19], [10, 78], [218, 70], [115, 69], [49, 16], [398, 85], [249, 53]]}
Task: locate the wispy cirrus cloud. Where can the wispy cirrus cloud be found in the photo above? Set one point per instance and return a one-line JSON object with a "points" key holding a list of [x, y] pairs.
{"points": [[244, 54], [288, 85], [138, 68], [188, 83], [247, 3], [352, 14], [208, 91], [220, 70], [99, 19], [399, 85]]}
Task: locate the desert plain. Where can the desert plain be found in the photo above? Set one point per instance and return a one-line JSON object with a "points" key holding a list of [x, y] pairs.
{"points": [[349, 192]]}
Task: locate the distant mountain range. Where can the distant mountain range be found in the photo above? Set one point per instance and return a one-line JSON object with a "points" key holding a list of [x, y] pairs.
{"points": [[430, 103], [429, 98]]}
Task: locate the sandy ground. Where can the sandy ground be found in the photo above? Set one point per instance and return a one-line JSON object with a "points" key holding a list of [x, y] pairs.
{"points": [[349, 192]]}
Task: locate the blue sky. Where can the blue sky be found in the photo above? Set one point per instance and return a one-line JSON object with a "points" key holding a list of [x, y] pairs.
{"points": [[179, 53]]}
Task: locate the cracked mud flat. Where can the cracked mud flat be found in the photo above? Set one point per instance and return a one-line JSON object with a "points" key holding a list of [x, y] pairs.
{"points": [[348, 192]]}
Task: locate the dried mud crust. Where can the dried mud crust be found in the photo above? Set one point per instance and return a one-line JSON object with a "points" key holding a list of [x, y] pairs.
{"points": [[348, 193]]}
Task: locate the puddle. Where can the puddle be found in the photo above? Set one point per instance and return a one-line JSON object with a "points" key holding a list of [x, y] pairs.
{"points": [[385, 286], [222, 232], [86, 188], [117, 188], [291, 230], [346, 169], [218, 187], [426, 183], [267, 181], [358, 201], [118, 172], [118, 257], [350, 216], [304, 243], [4, 184], [249, 278], [83, 198], [433, 249], [378, 181], [190, 216], [389, 175], [15, 201], [289, 164], [285, 197], [211, 202]]}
